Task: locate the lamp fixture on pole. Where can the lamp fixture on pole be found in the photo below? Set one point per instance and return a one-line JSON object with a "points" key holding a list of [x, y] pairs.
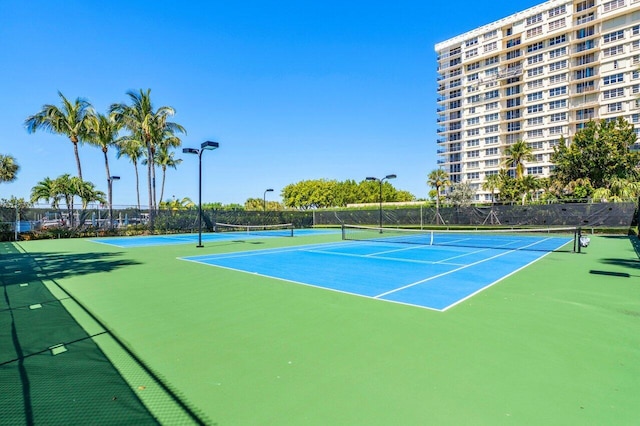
{"points": [[208, 145], [380, 181]]}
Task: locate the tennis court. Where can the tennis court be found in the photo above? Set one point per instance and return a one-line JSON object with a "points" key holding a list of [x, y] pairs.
{"points": [[384, 267], [99, 333], [236, 233]]}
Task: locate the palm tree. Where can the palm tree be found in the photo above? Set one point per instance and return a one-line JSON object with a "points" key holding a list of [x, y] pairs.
{"points": [[103, 133], [437, 179], [46, 190], [166, 159], [148, 126], [517, 153], [8, 168], [133, 149], [491, 183], [527, 184], [70, 119]]}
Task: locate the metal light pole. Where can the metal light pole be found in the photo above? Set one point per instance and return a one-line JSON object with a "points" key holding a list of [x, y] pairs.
{"points": [[380, 181], [208, 145], [111, 179], [264, 199]]}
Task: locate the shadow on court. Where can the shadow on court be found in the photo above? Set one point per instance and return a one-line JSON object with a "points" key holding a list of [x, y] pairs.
{"points": [[51, 370]]}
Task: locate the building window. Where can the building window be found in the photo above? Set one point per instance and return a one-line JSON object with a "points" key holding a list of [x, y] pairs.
{"points": [[556, 11], [560, 116], [614, 107], [535, 121], [473, 142], [473, 154], [513, 127], [556, 130], [471, 42], [535, 46], [534, 96], [491, 129], [471, 53], [535, 84], [614, 50], [557, 40], [613, 5], [613, 93], [557, 91], [616, 35], [534, 170], [558, 104], [535, 59], [558, 23], [473, 66], [534, 31], [491, 60], [490, 46], [490, 140], [535, 71], [492, 151], [584, 73], [534, 19], [474, 175], [584, 5], [491, 117], [535, 145], [558, 78], [532, 109], [537, 133], [558, 65], [558, 52]]}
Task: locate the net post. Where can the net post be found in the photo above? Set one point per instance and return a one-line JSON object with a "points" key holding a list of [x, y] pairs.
{"points": [[577, 242], [343, 232]]}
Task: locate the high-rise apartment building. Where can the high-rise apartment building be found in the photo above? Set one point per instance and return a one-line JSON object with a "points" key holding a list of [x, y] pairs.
{"points": [[535, 76]]}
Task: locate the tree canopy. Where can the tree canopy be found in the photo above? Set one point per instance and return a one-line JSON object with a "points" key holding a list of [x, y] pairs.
{"points": [[323, 193], [600, 153]]}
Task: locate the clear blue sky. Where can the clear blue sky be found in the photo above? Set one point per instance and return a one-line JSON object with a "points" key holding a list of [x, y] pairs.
{"points": [[292, 90]]}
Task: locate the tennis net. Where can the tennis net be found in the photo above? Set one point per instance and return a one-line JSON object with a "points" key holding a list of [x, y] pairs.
{"points": [[279, 230], [539, 239]]}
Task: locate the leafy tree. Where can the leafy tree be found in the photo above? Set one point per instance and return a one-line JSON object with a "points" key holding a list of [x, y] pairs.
{"points": [[517, 153], [8, 168], [599, 152], [70, 119], [461, 194]]}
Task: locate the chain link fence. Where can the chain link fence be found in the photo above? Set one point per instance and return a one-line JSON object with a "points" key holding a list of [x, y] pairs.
{"points": [[49, 223]]}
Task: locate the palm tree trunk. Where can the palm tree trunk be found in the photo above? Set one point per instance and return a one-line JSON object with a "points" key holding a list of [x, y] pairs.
{"points": [[149, 184], [164, 173], [135, 166], [75, 151]]}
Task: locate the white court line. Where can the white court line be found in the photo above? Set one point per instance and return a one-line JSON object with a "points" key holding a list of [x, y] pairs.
{"points": [[449, 272]]}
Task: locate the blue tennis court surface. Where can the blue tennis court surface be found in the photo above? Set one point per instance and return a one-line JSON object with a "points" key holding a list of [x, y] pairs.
{"points": [[171, 239], [434, 277]]}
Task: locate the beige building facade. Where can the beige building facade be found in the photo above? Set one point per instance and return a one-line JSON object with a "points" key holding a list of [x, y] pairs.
{"points": [[537, 75]]}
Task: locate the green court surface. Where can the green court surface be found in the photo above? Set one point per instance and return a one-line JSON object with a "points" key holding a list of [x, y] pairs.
{"points": [[556, 343]]}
